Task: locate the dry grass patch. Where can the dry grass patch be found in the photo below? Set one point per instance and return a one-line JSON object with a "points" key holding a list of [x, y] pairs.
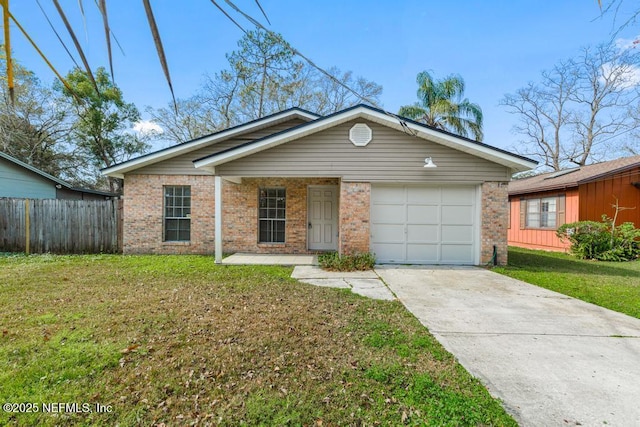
{"points": [[180, 341]]}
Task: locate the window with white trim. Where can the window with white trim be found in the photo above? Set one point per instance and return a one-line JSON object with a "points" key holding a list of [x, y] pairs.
{"points": [[544, 212], [271, 215], [177, 213]]}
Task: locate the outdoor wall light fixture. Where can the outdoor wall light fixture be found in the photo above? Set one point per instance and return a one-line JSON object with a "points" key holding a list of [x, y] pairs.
{"points": [[428, 163]]}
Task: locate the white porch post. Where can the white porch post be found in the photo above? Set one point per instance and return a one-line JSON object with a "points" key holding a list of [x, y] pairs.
{"points": [[218, 218]]}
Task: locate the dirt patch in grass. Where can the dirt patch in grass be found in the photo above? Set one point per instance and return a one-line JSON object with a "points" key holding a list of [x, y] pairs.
{"points": [[180, 341]]}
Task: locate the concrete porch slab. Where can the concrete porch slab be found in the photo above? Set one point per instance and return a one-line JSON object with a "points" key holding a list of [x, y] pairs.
{"points": [[270, 259]]}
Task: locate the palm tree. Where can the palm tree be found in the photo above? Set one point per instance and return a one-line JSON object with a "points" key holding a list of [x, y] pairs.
{"points": [[441, 106]]}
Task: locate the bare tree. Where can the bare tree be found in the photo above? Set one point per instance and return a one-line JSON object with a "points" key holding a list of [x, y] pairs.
{"points": [[581, 109], [607, 87], [190, 121], [543, 113], [625, 13]]}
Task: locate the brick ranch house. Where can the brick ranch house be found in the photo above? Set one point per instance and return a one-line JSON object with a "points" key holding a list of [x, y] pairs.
{"points": [[358, 180], [541, 204]]}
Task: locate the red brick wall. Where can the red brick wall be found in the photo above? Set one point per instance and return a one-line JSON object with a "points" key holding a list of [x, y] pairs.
{"points": [[143, 214], [354, 217], [494, 217], [240, 214]]}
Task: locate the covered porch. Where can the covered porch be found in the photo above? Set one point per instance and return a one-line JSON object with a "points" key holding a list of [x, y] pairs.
{"points": [[278, 219]]}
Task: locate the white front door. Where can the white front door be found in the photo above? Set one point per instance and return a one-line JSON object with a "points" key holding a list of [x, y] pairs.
{"points": [[323, 218]]}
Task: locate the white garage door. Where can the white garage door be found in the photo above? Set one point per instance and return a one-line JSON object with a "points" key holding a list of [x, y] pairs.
{"points": [[424, 224]]}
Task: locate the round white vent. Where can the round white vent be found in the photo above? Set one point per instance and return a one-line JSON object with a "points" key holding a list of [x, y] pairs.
{"points": [[360, 134]]}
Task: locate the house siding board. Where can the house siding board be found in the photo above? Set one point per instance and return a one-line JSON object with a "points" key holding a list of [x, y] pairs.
{"points": [[16, 181], [597, 198], [391, 156], [540, 238], [183, 164]]}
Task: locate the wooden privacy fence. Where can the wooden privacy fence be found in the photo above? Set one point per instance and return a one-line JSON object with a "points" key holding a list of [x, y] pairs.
{"points": [[60, 226]]}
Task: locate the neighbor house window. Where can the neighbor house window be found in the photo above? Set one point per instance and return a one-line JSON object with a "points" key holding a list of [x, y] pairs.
{"points": [[271, 215], [541, 213], [546, 212], [177, 213]]}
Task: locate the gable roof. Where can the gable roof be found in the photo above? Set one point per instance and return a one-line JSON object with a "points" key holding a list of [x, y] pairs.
{"points": [[497, 155], [51, 178], [572, 177], [120, 169]]}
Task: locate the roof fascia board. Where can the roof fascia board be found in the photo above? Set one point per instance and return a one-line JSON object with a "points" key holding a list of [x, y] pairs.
{"points": [[119, 170], [565, 186], [392, 121], [461, 144]]}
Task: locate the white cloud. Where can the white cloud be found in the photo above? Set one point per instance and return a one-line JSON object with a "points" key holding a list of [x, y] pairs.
{"points": [[146, 127], [626, 80], [625, 44]]}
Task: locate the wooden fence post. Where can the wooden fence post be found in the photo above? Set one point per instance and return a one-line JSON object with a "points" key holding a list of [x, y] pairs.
{"points": [[27, 226]]}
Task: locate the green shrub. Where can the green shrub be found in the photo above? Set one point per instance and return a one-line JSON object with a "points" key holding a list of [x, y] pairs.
{"points": [[602, 240], [332, 261]]}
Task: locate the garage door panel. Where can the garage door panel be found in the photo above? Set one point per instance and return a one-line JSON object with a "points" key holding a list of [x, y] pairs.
{"points": [[422, 253], [457, 234], [423, 214], [388, 214], [456, 253], [389, 233], [423, 233], [457, 195], [388, 195], [457, 215], [424, 224], [420, 195], [389, 252]]}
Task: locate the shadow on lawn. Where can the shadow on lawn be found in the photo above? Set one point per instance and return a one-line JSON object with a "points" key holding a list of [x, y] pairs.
{"points": [[553, 262]]}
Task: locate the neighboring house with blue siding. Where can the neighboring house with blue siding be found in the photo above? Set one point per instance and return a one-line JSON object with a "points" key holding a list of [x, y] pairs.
{"points": [[20, 180]]}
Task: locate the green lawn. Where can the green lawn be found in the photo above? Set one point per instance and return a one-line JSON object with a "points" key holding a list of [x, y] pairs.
{"points": [[614, 285], [177, 340]]}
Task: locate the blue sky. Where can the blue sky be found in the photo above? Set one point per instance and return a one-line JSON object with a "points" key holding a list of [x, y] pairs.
{"points": [[496, 46]]}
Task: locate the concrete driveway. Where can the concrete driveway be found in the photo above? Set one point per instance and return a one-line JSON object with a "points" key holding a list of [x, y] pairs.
{"points": [[553, 360]]}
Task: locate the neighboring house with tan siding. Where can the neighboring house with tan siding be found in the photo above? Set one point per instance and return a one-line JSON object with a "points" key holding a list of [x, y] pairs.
{"points": [[541, 204], [358, 180]]}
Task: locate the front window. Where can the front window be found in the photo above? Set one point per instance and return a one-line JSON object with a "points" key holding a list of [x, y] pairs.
{"points": [[177, 213], [541, 213], [271, 215]]}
